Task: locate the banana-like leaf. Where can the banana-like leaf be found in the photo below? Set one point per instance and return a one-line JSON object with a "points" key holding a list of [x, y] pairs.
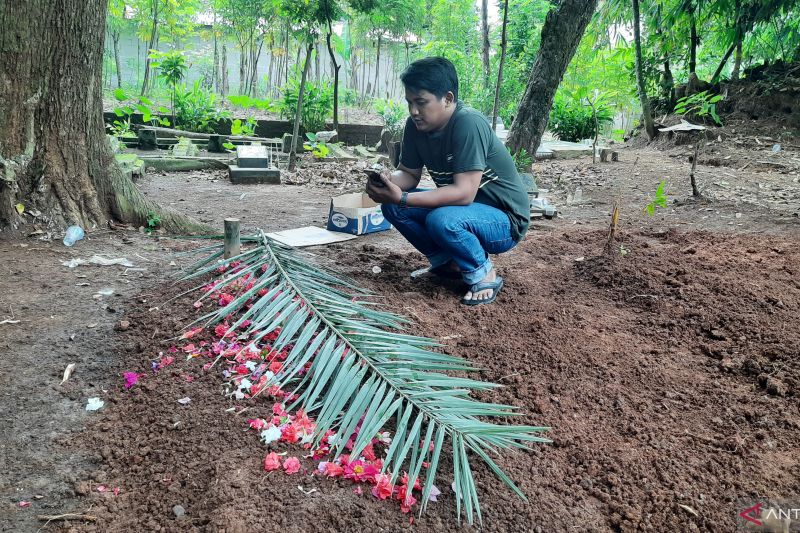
{"points": [[364, 368]]}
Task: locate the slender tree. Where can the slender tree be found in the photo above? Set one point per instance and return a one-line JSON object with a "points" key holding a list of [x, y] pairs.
{"points": [[647, 115], [503, 45], [562, 31], [485, 41]]}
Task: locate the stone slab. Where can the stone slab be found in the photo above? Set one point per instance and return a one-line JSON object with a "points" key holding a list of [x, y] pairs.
{"points": [[252, 156], [251, 176], [566, 149], [339, 154], [182, 164]]}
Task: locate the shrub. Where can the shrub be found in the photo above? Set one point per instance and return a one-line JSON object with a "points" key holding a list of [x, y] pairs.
{"points": [[393, 115], [701, 105], [317, 103], [572, 120], [195, 109]]}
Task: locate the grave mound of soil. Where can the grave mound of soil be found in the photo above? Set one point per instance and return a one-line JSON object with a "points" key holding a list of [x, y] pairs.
{"points": [[668, 376]]}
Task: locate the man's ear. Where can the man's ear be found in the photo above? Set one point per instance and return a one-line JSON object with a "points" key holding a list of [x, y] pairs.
{"points": [[449, 98]]}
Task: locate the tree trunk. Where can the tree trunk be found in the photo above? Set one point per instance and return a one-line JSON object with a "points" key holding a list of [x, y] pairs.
{"points": [[336, 67], [55, 156], [298, 112], [503, 44], [669, 84], [485, 40], [725, 58], [647, 114], [223, 73], [692, 43], [377, 68], [152, 46], [561, 34], [215, 74], [115, 41], [737, 60]]}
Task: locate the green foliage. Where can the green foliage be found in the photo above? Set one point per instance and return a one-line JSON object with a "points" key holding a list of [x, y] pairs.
{"points": [[195, 109], [349, 97], [522, 160], [247, 128], [153, 221], [393, 115], [660, 200], [317, 103], [353, 365], [128, 106], [572, 120], [172, 67], [317, 147], [700, 105], [248, 102]]}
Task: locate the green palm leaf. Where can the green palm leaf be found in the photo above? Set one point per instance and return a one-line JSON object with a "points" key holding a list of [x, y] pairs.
{"points": [[364, 368]]}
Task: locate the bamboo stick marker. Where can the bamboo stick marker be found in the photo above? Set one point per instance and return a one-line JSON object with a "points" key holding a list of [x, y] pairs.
{"points": [[233, 243]]}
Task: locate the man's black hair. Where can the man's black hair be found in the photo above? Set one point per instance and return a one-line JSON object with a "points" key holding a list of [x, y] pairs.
{"points": [[436, 75]]}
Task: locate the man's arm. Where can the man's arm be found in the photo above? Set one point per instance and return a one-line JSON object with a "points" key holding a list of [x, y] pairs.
{"points": [[406, 178], [461, 192]]}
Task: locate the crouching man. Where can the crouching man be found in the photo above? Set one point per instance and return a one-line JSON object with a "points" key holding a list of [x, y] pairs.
{"points": [[479, 206]]}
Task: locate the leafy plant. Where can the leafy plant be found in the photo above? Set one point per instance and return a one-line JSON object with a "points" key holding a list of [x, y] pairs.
{"points": [[317, 147], [246, 102], [701, 105], [393, 115], [247, 128], [660, 200], [128, 106], [195, 108], [351, 364], [572, 120], [172, 69], [522, 160], [317, 103], [153, 221]]}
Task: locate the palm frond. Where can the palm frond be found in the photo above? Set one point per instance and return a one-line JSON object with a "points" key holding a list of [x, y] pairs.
{"points": [[364, 368]]}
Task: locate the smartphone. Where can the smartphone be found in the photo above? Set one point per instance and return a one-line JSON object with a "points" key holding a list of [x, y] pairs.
{"points": [[374, 178]]}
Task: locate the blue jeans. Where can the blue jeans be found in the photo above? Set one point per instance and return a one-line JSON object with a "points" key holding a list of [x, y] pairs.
{"points": [[465, 235]]}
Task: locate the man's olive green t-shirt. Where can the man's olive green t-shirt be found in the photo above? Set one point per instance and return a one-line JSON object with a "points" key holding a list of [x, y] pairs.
{"points": [[465, 144]]}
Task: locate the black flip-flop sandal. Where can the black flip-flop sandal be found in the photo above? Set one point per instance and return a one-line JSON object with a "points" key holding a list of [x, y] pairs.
{"points": [[495, 286]]}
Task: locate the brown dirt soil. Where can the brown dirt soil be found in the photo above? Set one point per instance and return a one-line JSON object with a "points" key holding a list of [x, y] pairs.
{"points": [[669, 377]]}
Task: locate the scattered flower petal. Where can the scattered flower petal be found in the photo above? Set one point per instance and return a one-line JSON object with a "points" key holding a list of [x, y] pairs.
{"points": [[291, 465], [272, 462]]}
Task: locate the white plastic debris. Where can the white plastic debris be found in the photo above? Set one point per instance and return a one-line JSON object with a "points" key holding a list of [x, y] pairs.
{"points": [[98, 260], [185, 401], [93, 404]]}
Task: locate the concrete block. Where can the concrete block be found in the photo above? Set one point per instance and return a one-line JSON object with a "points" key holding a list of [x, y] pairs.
{"points": [[250, 176], [252, 156]]}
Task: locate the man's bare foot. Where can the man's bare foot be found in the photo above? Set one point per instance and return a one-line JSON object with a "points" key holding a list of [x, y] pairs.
{"points": [[484, 294]]}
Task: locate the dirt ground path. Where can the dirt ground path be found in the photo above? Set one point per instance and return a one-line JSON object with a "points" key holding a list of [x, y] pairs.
{"points": [[669, 376]]}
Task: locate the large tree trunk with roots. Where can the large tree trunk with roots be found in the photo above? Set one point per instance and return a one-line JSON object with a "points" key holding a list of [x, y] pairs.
{"points": [[54, 155], [561, 34], [647, 114]]}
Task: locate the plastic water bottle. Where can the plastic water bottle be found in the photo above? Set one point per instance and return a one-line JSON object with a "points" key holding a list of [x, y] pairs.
{"points": [[73, 235]]}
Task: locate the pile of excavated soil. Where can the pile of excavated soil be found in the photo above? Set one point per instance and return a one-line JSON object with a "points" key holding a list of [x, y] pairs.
{"points": [[668, 376]]}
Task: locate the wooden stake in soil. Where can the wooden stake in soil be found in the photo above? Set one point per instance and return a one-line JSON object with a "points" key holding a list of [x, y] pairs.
{"points": [[695, 190], [233, 243]]}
